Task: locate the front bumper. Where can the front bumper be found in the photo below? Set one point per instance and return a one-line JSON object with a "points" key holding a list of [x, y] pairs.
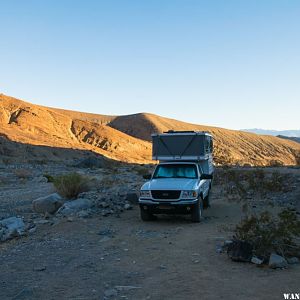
{"points": [[167, 207]]}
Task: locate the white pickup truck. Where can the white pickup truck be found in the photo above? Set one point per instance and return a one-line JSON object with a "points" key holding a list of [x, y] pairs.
{"points": [[181, 182]]}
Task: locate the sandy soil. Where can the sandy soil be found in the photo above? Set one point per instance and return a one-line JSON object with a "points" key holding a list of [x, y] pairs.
{"points": [[125, 258]]}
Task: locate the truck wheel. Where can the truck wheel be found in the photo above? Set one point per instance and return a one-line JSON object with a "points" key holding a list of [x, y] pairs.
{"points": [[206, 201], [146, 216], [197, 211]]}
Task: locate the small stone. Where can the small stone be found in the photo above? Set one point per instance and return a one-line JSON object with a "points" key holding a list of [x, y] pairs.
{"points": [[83, 214], [41, 222], [32, 230], [127, 206], [256, 260], [277, 261], [111, 293], [293, 260], [39, 269], [104, 204]]}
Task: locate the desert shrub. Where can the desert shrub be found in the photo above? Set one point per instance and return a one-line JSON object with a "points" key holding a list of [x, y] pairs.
{"points": [[267, 233], [49, 177], [239, 182], [71, 185], [22, 173]]}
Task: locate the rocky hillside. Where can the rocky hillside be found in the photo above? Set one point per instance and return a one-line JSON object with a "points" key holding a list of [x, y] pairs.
{"points": [[127, 138], [41, 126], [231, 146]]}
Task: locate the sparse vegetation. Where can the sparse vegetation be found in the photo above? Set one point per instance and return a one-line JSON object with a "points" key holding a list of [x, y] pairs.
{"points": [[268, 234], [71, 185], [240, 183], [49, 177]]}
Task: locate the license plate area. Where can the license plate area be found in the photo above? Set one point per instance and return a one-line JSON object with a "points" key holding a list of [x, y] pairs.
{"points": [[166, 207]]}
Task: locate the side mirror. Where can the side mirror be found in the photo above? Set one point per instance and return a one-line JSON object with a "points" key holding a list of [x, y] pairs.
{"points": [[147, 176], [206, 176]]}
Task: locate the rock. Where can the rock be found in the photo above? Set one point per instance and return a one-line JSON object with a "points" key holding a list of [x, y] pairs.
{"points": [[84, 214], [39, 268], [256, 260], [42, 222], [127, 206], [132, 198], [11, 227], [277, 261], [293, 260], [74, 206], [111, 293], [104, 204], [48, 204], [240, 251], [90, 162], [219, 248]]}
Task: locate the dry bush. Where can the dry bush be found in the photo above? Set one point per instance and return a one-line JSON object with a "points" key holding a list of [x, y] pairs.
{"points": [[268, 234], [71, 185], [22, 173], [240, 183]]}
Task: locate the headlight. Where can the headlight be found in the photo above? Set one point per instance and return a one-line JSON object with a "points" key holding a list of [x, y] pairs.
{"points": [[145, 194], [189, 194]]}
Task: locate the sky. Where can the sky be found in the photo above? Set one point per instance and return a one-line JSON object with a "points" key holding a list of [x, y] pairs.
{"points": [[233, 64]]}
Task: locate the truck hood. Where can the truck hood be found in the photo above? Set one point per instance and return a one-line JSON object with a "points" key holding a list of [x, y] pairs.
{"points": [[170, 184]]}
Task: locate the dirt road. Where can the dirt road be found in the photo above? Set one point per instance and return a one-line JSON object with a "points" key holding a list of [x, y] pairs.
{"points": [[125, 258]]}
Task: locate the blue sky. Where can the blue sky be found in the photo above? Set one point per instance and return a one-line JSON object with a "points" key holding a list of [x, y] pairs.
{"points": [[234, 64]]}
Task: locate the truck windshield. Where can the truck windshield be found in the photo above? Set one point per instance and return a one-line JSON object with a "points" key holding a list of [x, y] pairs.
{"points": [[176, 171]]}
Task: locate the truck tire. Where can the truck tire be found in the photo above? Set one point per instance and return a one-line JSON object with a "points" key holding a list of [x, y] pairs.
{"points": [[206, 201], [146, 216], [197, 211]]}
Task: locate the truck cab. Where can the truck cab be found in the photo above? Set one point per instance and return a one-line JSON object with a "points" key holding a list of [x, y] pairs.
{"points": [[181, 182]]}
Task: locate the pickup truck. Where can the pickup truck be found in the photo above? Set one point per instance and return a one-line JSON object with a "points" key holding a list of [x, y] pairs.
{"points": [[177, 187]]}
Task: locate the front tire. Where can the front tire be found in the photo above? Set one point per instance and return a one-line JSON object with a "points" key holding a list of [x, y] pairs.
{"points": [[197, 211]]}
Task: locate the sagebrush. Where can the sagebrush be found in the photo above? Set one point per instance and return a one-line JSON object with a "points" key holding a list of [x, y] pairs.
{"points": [[268, 233], [71, 185]]}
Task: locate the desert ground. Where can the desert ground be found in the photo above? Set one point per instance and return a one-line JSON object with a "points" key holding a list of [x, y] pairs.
{"points": [[105, 251]]}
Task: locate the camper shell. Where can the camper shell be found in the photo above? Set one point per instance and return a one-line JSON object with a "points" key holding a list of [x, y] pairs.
{"points": [[182, 145], [188, 146]]}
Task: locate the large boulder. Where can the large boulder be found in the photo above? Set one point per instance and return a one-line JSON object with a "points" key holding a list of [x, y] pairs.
{"points": [[75, 206], [11, 227], [277, 261], [48, 204]]}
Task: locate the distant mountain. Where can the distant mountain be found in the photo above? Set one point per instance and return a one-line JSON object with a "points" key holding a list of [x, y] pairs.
{"points": [[288, 133], [292, 138], [124, 138]]}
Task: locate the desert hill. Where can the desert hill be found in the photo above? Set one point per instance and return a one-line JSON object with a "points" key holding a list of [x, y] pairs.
{"points": [[127, 138], [36, 125], [231, 146]]}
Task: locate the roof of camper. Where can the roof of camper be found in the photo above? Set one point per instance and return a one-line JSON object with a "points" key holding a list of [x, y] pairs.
{"points": [[170, 132]]}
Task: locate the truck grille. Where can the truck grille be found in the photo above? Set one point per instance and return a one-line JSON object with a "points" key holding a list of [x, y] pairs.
{"points": [[165, 194]]}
